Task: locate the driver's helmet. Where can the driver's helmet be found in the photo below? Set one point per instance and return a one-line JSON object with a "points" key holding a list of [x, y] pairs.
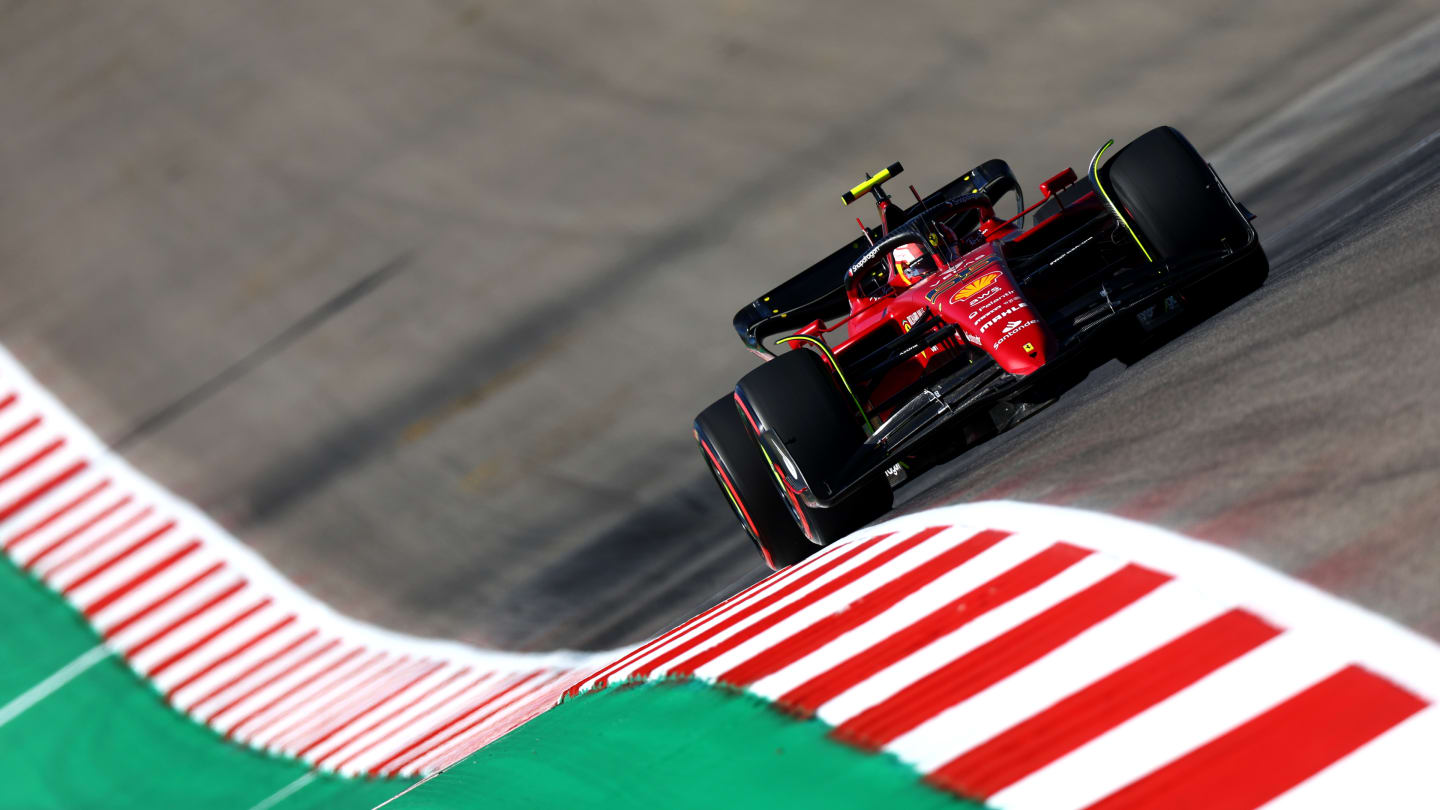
{"points": [[909, 265]]}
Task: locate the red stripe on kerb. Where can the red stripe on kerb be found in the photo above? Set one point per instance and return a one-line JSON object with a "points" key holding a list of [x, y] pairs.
{"points": [[391, 715], [368, 705], [185, 619], [1034, 743], [1277, 750], [39, 491], [207, 638], [7, 401], [305, 659], [998, 658], [24, 428], [809, 696], [314, 676], [312, 714], [94, 545], [120, 626], [77, 531], [504, 708], [787, 610], [32, 460], [415, 721], [117, 557], [296, 703], [230, 656], [409, 752], [772, 582], [521, 711], [863, 609], [140, 579], [775, 595]]}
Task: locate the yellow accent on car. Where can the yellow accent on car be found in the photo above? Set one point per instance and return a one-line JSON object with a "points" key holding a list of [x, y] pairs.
{"points": [[880, 177], [1115, 209], [835, 364]]}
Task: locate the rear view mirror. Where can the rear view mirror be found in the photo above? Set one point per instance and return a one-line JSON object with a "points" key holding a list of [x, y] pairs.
{"points": [[1051, 187]]}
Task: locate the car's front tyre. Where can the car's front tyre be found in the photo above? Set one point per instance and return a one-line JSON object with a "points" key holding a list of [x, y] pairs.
{"points": [[1168, 193], [811, 428], [747, 484]]}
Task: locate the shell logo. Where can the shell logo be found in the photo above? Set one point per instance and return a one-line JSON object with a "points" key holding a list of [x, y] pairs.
{"points": [[975, 286]]}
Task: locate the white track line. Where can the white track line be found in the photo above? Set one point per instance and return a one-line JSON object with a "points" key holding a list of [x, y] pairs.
{"points": [[284, 793], [47, 687]]}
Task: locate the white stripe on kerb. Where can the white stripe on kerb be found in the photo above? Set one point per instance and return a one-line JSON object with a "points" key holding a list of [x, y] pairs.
{"points": [[68, 553], [163, 583], [1154, 620], [55, 462], [67, 523], [325, 661], [26, 445], [90, 564], [1228, 697], [175, 610], [834, 602], [858, 559], [125, 570], [988, 627], [51, 502], [1394, 770], [11, 418], [917, 605], [612, 672], [192, 631], [221, 645], [232, 669], [380, 744]]}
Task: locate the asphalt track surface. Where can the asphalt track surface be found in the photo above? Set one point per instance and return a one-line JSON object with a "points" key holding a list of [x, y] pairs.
{"points": [[420, 301]]}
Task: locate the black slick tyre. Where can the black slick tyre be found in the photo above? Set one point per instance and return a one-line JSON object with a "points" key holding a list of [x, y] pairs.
{"points": [[1179, 210], [748, 485], [1172, 198], [812, 426]]}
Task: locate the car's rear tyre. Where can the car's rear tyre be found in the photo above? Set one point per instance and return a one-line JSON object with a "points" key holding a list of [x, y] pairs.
{"points": [[816, 429], [1171, 198], [748, 485]]}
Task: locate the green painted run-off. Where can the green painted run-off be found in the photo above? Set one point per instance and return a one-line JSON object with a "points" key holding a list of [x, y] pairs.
{"points": [[106, 739], [673, 744]]}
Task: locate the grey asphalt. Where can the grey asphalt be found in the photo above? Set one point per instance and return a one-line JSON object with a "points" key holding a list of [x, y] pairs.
{"points": [[419, 299]]}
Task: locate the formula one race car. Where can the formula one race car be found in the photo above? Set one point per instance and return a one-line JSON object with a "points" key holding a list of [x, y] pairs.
{"points": [[957, 325]]}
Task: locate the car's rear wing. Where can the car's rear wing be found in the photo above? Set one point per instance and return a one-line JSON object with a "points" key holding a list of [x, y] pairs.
{"points": [[819, 290]]}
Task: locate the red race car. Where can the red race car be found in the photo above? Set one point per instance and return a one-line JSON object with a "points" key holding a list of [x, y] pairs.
{"points": [[945, 324]]}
